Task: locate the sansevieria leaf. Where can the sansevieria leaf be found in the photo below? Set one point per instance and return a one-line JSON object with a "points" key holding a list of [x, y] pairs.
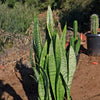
{"points": [[46, 64], [45, 83], [52, 68], [36, 74], [41, 89], [37, 38], [50, 21], [72, 42], [75, 26], [46, 70], [77, 46], [63, 55], [60, 89], [57, 58], [63, 37], [72, 69], [49, 95], [43, 55]]}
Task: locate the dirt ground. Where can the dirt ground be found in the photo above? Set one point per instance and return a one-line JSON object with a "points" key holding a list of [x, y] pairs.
{"points": [[16, 84], [86, 82]]}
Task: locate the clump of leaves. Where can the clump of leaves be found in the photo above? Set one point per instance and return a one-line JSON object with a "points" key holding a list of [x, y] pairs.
{"points": [[53, 69]]}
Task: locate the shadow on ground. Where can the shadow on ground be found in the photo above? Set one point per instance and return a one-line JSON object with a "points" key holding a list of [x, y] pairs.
{"points": [[7, 88], [84, 50], [29, 84]]}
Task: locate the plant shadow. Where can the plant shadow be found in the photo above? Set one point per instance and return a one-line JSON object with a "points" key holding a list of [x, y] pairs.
{"points": [[83, 50], [7, 88], [29, 84]]}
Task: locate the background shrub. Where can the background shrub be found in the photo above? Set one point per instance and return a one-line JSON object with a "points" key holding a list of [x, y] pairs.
{"points": [[19, 16], [11, 3], [17, 19]]}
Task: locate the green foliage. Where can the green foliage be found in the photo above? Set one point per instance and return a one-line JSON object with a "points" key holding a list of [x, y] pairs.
{"points": [[94, 23], [60, 89], [52, 68], [52, 72], [1, 44], [63, 55], [75, 29], [43, 85], [74, 42], [43, 55], [17, 19], [77, 45], [50, 22], [20, 16], [71, 70], [79, 10], [11, 3], [57, 56], [37, 39]]}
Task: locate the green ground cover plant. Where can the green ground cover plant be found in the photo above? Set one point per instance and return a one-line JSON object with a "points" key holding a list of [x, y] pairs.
{"points": [[53, 67]]}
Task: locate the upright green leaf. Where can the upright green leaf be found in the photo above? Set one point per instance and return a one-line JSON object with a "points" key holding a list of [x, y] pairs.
{"points": [[52, 68], [72, 65], [36, 74], [72, 69], [57, 59], [37, 38], [41, 89], [63, 37], [46, 64], [75, 26], [43, 55], [46, 70], [64, 66], [63, 55], [58, 55], [60, 89], [72, 42], [49, 95], [77, 46], [50, 22], [46, 84], [43, 85]]}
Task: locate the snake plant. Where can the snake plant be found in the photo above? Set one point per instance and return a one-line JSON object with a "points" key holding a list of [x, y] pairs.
{"points": [[53, 69], [73, 40]]}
